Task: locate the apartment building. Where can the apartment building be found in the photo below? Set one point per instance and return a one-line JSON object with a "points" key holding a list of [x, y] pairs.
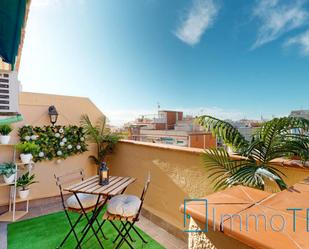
{"points": [[300, 114], [170, 127]]}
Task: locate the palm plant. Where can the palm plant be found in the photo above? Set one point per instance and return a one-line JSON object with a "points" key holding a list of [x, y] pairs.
{"points": [[101, 135], [254, 167]]}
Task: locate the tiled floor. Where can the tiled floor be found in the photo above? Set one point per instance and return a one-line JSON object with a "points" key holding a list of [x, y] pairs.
{"points": [[156, 232]]}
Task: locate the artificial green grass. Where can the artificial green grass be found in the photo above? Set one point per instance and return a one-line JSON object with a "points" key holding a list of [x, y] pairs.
{"points": [[47, 232]]}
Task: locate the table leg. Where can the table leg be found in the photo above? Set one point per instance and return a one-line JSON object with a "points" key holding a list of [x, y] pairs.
{"points": [[94, 216]]}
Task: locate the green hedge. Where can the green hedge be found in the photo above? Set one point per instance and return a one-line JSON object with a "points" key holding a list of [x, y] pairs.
{"points": [[55, 142]]}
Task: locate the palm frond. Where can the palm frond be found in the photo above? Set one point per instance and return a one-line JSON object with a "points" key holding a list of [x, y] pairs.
{"points": [[90, 131], [278, 141], [101, 125], [220, 167], [94, 160], [229, 134], [101, 135], [247, 176], [277, 138]]}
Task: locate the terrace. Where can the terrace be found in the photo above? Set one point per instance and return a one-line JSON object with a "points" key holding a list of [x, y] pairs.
{"points": [[177, 173]]}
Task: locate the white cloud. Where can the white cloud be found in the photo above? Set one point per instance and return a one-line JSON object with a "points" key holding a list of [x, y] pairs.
{"points": [[119, 117], [199, 18], [278, 18], [302, 41]]}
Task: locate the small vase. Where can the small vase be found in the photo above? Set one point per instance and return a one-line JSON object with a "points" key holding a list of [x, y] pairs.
{"points": [[9, 179], [25, 158], [5, 139], [23, 194]]}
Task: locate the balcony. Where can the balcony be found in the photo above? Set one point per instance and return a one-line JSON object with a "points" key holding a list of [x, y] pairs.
{"points": [[177, 172], [179, 183]]}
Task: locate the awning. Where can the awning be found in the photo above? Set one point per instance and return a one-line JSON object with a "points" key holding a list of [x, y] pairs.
{"points": [[11, 120], [12, 16]]}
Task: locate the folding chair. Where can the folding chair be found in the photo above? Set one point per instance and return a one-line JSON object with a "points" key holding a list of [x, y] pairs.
{"points": [[127, 222], [71, 204]]}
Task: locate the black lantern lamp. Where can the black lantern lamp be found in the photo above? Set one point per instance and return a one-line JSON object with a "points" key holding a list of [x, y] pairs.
{"points": [[104, 174], [53, 114]]}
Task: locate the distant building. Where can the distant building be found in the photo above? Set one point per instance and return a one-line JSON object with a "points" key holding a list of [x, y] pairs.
{"points": [[246, 127], [170, 127], [300, 114]]}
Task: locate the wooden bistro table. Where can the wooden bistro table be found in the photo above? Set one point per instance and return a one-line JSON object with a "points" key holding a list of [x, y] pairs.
{"points": [[117, 185]]}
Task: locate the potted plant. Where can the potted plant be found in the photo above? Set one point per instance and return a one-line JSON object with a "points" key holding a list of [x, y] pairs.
{"points": [[23, 182], [8, 171], [102, 136], [254, 166], [5, 130], [27, 151]]}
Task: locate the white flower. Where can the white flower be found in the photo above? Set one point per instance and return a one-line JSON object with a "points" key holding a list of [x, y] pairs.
{"points": [[78, 147], [33, 137], [61, 144], [59, 152], [64, 140], [82, 139], [57, 135], [61, 130], [27, 138], [69, 146], [41, 154]]}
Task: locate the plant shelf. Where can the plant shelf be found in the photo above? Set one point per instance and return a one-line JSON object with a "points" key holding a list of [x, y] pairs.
{"points": [[8, 216], [3, 184], [11, 216], [18, 199], [22, 164]]}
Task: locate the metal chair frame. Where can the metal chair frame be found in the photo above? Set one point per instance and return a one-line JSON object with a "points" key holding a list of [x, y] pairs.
{"points": [[128, 224], [60, 181]]}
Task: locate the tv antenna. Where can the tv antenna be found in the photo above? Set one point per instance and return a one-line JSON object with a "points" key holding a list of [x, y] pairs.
{"points": [[158, 105]]}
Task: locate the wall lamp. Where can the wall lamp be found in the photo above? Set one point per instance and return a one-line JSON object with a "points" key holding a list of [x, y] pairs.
{"points": [[53, 114]]}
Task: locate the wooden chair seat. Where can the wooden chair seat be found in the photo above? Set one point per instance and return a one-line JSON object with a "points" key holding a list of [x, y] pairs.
{"points": [[87, 210], [108, 216]]}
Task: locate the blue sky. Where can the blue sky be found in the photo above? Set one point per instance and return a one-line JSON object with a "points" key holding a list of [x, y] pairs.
{"points": [[231, 59]]}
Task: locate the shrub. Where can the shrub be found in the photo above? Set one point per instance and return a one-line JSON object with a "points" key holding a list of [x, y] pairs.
{"points": [[5, 129], [27, 148], [25, 180], [7, 169]]}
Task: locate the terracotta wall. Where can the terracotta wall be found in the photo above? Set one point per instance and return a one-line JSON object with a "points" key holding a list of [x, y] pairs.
{"points": [[34, 107], [176, 172], [160, 126], [171, 118], [203, 141]]}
